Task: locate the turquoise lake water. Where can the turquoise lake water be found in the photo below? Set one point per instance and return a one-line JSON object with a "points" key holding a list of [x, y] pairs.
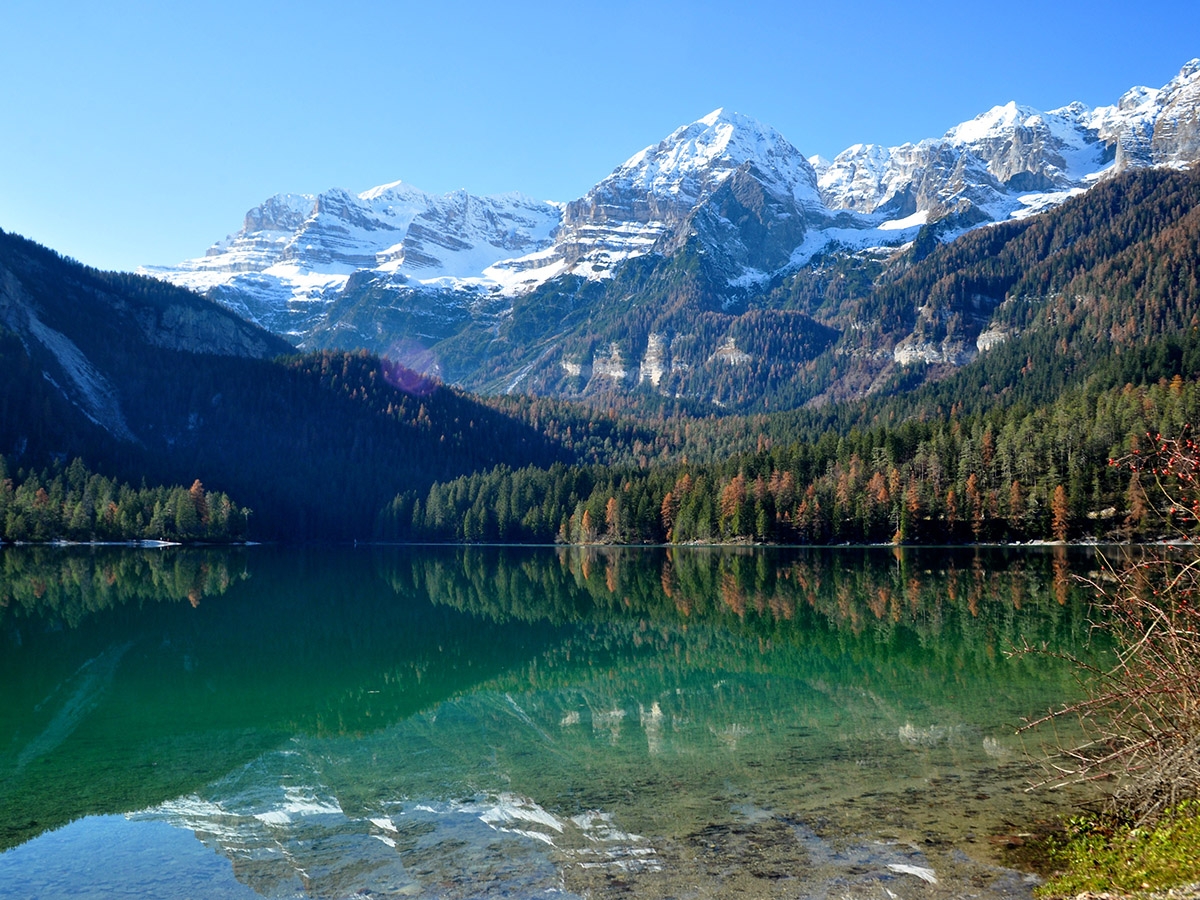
{"points": [[509, 722]]}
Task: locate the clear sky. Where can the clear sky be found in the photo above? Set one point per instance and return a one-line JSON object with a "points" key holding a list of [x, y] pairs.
{"points": [[141, 132]]}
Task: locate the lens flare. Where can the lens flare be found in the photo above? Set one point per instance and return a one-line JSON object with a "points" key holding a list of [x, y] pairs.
{"points": [[412, 368]]}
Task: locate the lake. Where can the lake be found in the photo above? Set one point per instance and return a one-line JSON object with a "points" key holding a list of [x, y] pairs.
{"points": [[526, 722]]}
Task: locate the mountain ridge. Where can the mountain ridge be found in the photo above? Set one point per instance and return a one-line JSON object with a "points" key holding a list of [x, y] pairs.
{"points": [[714, 220], [1018, 145]]}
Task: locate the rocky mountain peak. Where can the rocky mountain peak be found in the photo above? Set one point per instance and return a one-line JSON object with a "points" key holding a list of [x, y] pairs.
{"points": [[649, 201], [1154, 126], [283, 212], [1187, 73], [996, 122], [1138, 98], [694, 159], [1176, 136]]}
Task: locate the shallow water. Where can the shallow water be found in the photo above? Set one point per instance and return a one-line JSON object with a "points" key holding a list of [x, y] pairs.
{"points": [[509, 722]]}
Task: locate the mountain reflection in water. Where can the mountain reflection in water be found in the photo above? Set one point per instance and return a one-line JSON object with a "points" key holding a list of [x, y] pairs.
{"points": [[482, 721]]}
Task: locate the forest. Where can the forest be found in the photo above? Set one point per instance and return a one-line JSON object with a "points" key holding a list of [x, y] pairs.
{"points": [[70, 503], [1095, 309], [1010, 475]]}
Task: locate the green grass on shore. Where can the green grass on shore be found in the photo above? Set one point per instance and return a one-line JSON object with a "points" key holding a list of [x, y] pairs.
{"points": [[1095, 855]]}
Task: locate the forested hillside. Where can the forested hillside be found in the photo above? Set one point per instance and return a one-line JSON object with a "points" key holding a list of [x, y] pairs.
{"points": [[1090, 317], [313, 445], [146, 382], [1094, 310], [1009, 475]]}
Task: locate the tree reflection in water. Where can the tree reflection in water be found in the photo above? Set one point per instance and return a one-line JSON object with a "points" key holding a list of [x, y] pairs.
{"points": [[561, 697]]}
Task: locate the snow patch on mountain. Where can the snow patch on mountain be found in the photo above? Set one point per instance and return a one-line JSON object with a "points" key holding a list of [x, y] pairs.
{"points": [[853, 240]]}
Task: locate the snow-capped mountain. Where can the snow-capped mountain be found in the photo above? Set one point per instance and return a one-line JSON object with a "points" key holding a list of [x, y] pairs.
{"points": [[659, 187], [296, 251], [651, 201], [395, 264], [1005, 160], [1155, 127], [1012, 160]]}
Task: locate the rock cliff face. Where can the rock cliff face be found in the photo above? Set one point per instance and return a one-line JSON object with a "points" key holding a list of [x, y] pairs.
{"points": [[654, 362], [185, 327], [751, 228], [1175, 139], [397, 266], [267, 231]]}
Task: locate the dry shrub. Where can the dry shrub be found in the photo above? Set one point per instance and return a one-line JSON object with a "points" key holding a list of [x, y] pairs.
{"points": [[1141, 716]]}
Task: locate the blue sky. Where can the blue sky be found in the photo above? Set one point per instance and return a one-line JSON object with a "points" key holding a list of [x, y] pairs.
{"points": [[141, 132]]}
